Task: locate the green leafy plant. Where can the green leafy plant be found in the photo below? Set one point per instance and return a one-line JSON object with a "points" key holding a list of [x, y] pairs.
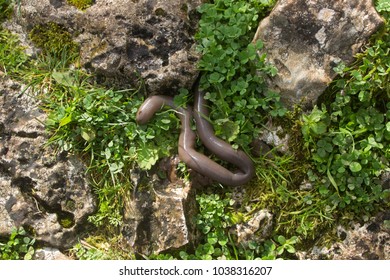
{"points": [[102, 123], [233, 72], [91, 253], [383, 6], [285, 244], [215, 219], [19, 246]]}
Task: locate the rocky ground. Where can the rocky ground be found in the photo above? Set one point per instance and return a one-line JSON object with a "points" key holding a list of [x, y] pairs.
{"points": [[40, 189], [370, 241], [48, 192]]}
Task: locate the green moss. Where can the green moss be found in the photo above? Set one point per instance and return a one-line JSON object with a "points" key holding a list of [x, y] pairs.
{"points": [[70, 205], [54, 40], [160, 12], [65, 219], [66, 223], [81, 4]]}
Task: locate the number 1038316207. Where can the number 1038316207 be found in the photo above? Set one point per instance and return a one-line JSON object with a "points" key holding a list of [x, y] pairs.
{"points": [[237, 270]]}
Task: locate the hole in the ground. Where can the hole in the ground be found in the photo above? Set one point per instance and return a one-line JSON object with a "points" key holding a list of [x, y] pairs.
{"points": [[25, 184]]}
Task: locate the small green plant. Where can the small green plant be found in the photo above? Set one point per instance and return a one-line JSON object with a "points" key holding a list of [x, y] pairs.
{"points": [[99, 248], [285, 244], [12, 56], [102, 122], [270, 249], [90, 253], [19, 246]]}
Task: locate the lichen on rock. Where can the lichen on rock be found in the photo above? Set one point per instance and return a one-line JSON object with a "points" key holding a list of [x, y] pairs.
{"points": [[123, 40], [44, 191], [305, 40], [368, 241]]}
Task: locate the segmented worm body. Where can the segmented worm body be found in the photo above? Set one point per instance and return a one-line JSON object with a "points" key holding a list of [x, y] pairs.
{"points": [[187, 153]]}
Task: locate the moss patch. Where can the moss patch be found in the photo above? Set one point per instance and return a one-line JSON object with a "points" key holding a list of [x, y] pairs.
{"points": [[81, 4], [54, 40], [66, 219]]}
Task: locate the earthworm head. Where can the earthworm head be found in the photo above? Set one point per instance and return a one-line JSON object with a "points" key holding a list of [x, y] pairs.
{"points": [[140, 117], [150, 106], [146, 110]]}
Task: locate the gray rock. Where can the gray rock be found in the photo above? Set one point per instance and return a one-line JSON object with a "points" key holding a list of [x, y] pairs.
{"points": [[258, 228], [305, 40], [158, 218], [306, 186], [370, 241], [385, 180], [48, 253], [41, 190], [124, 40], [276, 137]]}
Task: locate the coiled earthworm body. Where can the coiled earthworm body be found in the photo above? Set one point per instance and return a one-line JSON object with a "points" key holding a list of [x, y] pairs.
{"points": [[187, 153], [221, 148]]}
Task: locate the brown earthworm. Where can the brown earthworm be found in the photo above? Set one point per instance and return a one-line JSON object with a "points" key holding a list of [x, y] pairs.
{"points": [[187, 153], [219, 147]]}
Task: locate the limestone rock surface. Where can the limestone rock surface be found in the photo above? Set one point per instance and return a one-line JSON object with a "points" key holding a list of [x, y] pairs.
{"points": [[305, 40], [158, 218], [41, 190], [123, 40], [49, 254], [258, 228], [370, 241]]}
